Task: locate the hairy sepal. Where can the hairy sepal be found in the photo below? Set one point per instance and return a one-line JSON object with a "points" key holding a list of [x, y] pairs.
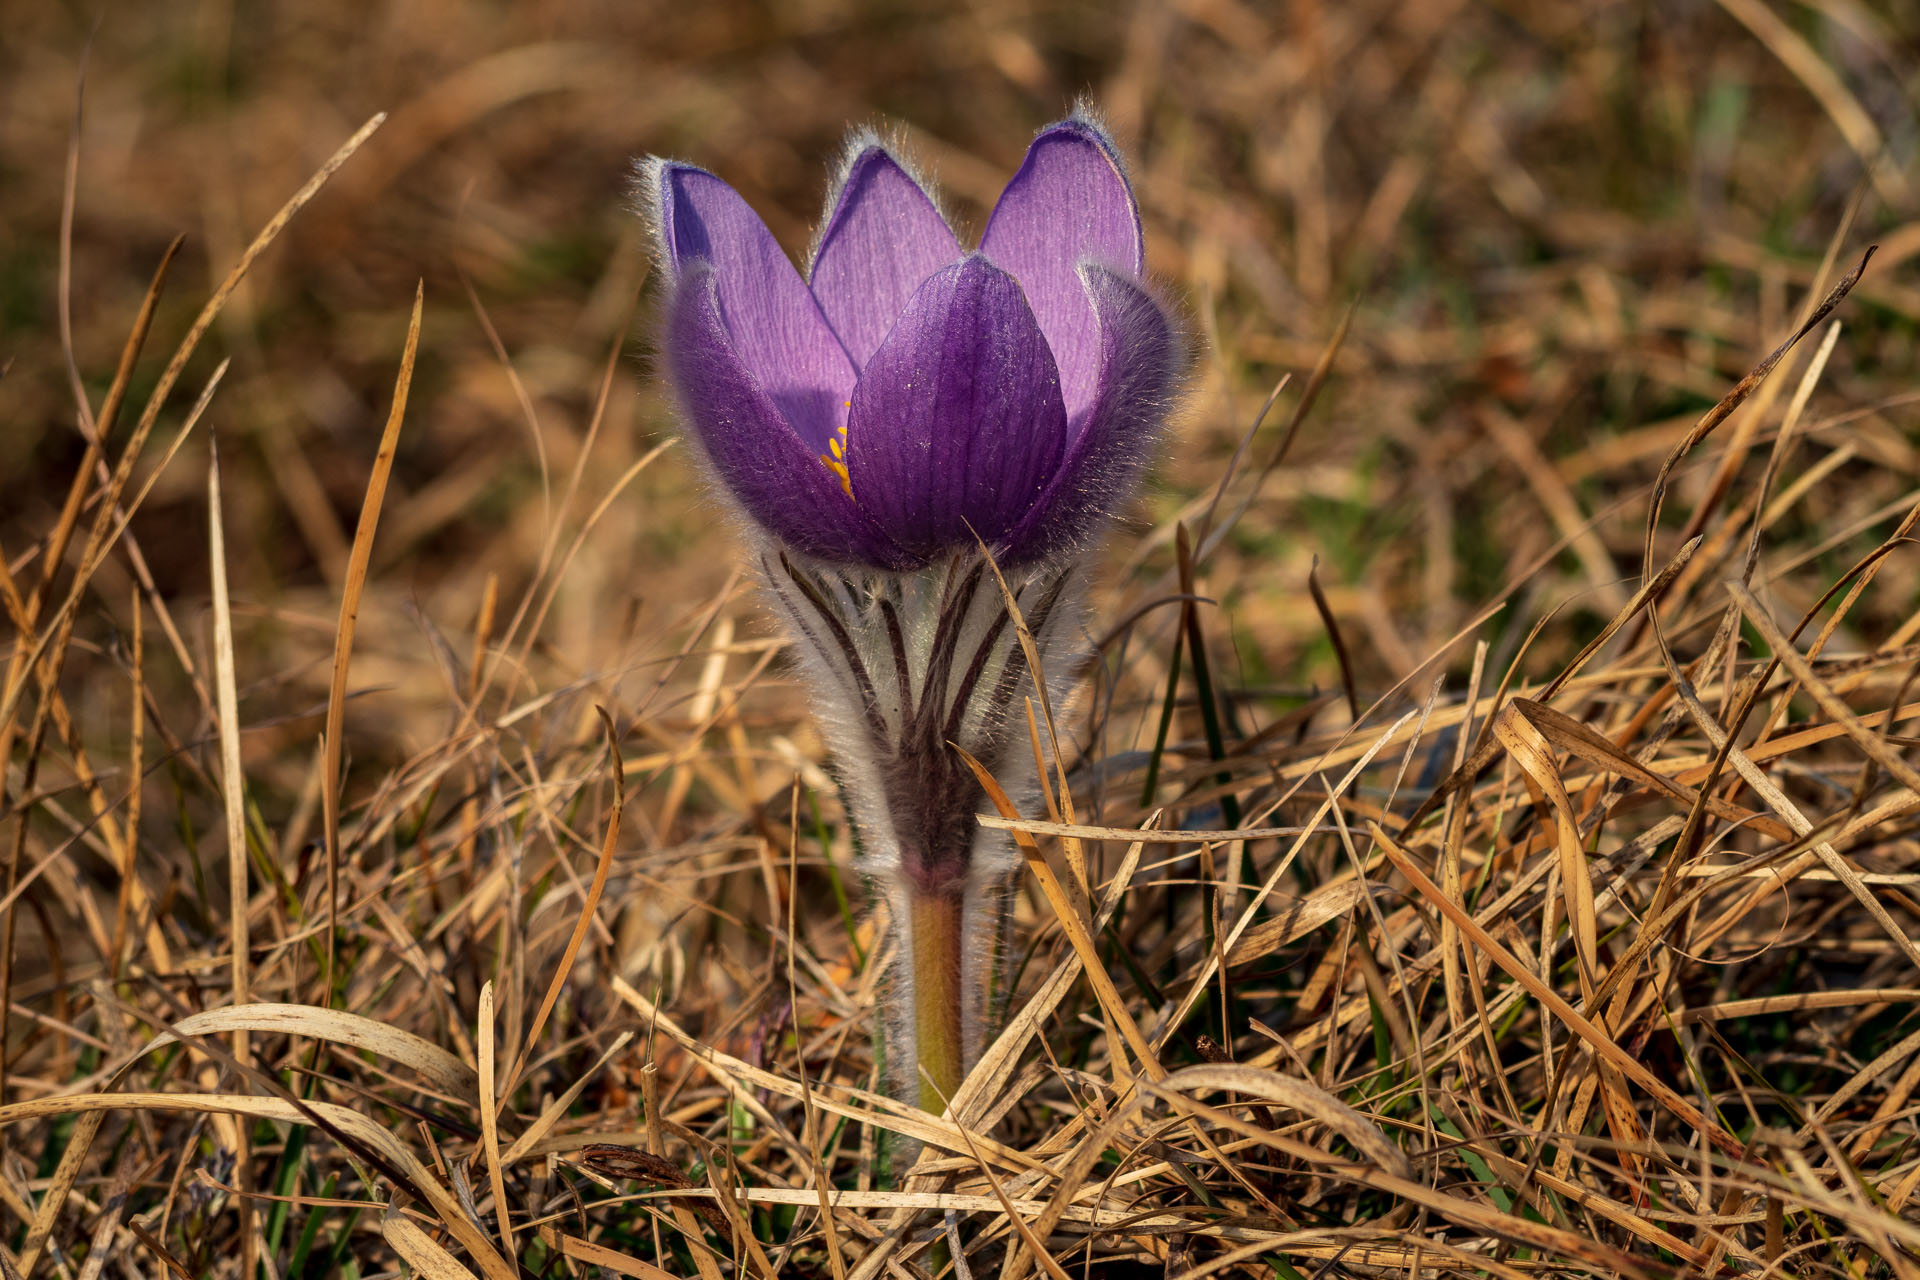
{"points": [[903, 667]]}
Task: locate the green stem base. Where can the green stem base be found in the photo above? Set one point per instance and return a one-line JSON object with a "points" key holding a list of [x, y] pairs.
{"points": [[936, 928]]}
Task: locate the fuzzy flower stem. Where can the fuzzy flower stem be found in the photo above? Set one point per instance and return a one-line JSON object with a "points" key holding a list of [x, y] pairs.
{"points": [[936, 925], [905, 668]]}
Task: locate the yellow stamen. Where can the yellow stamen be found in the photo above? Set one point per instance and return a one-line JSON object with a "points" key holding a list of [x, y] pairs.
{"points": [[836, 462]]}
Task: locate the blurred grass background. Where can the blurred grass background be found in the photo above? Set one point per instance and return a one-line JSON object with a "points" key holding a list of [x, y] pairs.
{"points": [[1583, 220], [1563, 230]]}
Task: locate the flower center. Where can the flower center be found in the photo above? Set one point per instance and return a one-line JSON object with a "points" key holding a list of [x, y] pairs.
{"points": [[836, 459]]}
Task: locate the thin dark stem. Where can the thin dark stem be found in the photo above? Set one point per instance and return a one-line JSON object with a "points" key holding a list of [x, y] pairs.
{"points": [[870, 706], [954, 606], [903, 674]]}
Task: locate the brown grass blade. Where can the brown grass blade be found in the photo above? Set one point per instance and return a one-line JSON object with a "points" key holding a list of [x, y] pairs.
{"points": [[574, 1249], [336, 1026], [1875, 746], [1296, 1095], [1831, 92], [490, 1105], [233, 792], [59, 1187], [1332, 625], [743, 1080], [556, 1110], [1530, 752], [1595, 1039], [588, 907], [350, 591], [1295, 919], [418, 1249], [1309, 394], [1507, 1225], [1075, 929], [1733, 399], [1570, 735]]}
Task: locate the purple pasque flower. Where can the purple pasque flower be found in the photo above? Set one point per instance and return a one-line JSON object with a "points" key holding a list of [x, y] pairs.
{"points": [[879, 421], [910, 395]]}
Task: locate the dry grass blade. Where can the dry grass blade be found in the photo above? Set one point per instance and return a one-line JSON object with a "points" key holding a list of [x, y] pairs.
{"points": [[169, 375], [418, 1248], [233, 791], [1297, 1095], [1294, 919], [996, 1064], [1529, 751], [1734, 398], [1142, 835], [587, 908], [1485, 749], [1595, 1039], [1571, 735], [1034, 1247], [490, 1104], [1309, 394], [558, 1108], [136, 754], [1058, 793], [1798, 1002], [1232, 469], [703, 1260], [59, 1187], [1641, 605], [574, 1249], [1075, 929], [435, 1065], [54, 639], [615, 491], [350, 591], [1210, 966], [48, 646], [1509, 1226], [1558, 502], [58, 541], [1831, 92], [1332, 625], [742, 1080], [1875, 745], [921, 1201]]}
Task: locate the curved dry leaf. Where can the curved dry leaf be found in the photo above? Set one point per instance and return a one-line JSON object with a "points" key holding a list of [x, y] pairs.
{"points": [[1295, 918], [1310, 1100], [1529, 751], [432, 1063]]}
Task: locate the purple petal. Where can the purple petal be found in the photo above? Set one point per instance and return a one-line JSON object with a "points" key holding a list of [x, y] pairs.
{"points": [[776, 477], [1140, 359], [776, 328], [957, 423], [883, 238], [1069, 204]]}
